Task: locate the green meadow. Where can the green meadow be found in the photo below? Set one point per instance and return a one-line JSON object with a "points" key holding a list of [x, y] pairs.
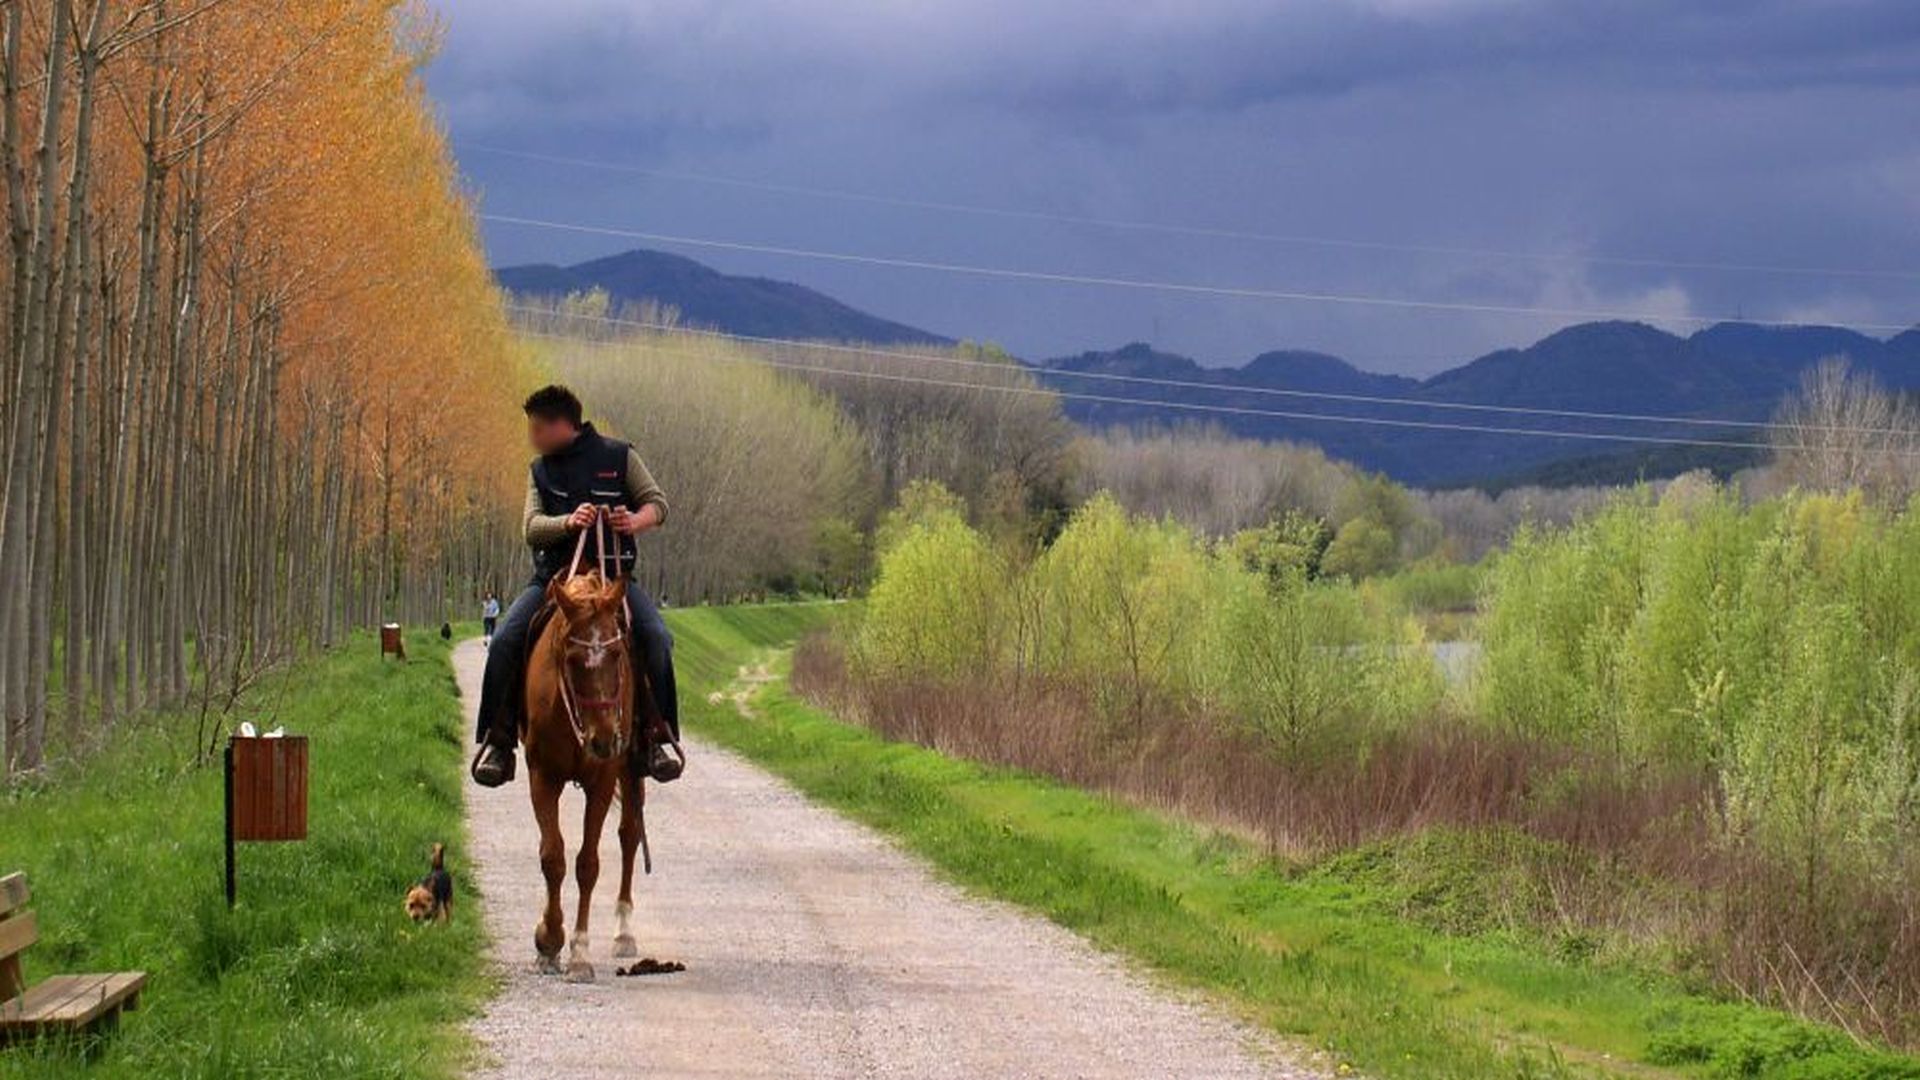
{"points": [[1319, 954], [317, 972]]}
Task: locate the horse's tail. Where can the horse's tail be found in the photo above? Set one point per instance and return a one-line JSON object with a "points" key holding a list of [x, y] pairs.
{"points": [[630, 789]]}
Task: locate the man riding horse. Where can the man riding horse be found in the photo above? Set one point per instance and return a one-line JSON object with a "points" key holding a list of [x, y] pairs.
{"points": [[577, 472]]}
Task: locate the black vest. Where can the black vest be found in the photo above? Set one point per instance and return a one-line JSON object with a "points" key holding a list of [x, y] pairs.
{"points": [[592, 469]]}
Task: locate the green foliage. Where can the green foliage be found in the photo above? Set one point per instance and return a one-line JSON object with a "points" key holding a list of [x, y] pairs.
{"points": [[840, 553], [1725, 1041], [1327, 957], [1362, 548], [935, 608], [1308, 666], [1559, 604], [757, 466], [1433, 587], [1119, 600], [1460, 881], [1774, 646], [1377, 498], [1139, 613], [1380, 526], [317, 973], [922, 504], [1289, 543]]}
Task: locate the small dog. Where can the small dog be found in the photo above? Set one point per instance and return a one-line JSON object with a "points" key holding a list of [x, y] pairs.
{"points": [[432, 899]]}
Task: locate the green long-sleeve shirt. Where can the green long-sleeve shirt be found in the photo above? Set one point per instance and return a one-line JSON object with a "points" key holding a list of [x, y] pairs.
{"points": [[544, 530]]}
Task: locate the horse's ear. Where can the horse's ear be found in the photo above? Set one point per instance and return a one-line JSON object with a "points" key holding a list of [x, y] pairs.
{"points": [[613, 589], [557, 595]]}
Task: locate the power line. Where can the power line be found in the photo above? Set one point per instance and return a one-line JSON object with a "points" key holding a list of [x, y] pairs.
{"points": [[1225, 388], [1164, 228], [1039, 391], [1234, 292]]}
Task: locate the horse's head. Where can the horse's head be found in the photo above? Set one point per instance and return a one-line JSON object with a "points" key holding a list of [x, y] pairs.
{"points": [[596, 670]]}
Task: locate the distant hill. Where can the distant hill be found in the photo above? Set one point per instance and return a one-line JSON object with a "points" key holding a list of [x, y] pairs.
{"points": [[1730, 371], [706, 297]]}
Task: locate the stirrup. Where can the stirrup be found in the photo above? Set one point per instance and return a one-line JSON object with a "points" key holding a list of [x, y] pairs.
{"points": [[506, 771], [666, 762]]}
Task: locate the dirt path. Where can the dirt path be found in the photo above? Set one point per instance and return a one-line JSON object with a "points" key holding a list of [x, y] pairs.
{"points": [[813, 948]]}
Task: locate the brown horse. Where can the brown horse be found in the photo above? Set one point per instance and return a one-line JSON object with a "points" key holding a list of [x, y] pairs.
{"points": [[581, 699]]}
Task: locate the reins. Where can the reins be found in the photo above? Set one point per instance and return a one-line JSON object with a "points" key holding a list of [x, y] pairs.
{"points": [[604, 557]]}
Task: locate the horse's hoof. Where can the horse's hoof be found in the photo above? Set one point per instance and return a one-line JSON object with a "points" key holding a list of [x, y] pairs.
{"points": [[625, 947], [579, 972], [546, 965]]}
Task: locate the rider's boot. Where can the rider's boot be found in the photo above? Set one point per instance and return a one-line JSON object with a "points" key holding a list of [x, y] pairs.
{"points": [[663, 766], [650, 760], [494, 765]]}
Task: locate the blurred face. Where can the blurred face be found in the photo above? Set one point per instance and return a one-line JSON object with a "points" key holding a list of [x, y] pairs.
{"points": [[549, 435]]}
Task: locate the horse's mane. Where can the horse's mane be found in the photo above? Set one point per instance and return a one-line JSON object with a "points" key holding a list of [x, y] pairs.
{"points": [[584, 588], [590, 591]]}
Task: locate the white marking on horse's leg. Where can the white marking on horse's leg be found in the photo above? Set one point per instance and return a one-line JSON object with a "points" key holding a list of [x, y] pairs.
{"points": [[624, 945], [579, 962]]}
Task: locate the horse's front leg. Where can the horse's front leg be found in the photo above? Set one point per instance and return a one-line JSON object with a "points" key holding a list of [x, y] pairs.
{"points": [[586, 872], [632, 795], [550, 933]]}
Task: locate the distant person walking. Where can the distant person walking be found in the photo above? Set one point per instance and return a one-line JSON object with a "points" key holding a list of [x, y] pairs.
{"points": [[489, 616]]}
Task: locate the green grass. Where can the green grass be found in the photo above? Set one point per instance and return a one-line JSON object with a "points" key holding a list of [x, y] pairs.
{"points": [[317, 973], [1311, 955]]}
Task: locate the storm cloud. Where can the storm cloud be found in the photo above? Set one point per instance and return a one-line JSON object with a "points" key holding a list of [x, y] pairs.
{"points": [[1776, 140]]}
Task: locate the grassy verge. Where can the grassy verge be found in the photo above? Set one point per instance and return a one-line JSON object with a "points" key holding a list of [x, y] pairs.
{"points": [[1309, 954], [318, 973]]}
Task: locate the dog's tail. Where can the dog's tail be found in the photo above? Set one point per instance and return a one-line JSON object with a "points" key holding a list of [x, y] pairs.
{"points": [[439, 856]]}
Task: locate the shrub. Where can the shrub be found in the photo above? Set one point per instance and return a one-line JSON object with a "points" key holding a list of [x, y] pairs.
{"points": [[1307, 665], [1121, 599], [1362, 548], [935, 608], [1774, 646]]}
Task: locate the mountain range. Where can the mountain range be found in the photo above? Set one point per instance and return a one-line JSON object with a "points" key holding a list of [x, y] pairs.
{"points": [[1726, 372], [1735, 372], [762, 307]]}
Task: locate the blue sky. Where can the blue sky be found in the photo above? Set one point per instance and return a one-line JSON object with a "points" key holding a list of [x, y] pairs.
{"points": [[1621, 138]]}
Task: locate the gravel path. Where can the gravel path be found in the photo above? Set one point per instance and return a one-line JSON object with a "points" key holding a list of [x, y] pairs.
{"points": [[813, 948]]}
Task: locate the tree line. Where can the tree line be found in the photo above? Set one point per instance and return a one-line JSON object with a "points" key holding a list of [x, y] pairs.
{"points": [[253, 363]]}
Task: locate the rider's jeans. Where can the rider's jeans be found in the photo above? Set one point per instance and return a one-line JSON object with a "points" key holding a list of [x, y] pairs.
{"points": [[654, 657]]}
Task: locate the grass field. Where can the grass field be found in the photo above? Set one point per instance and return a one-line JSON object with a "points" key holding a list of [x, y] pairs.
{"points": [[1309, 954], [317, 973]]}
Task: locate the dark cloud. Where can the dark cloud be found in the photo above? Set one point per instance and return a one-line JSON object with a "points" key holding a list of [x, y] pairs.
{"points": [[1756, 132]]}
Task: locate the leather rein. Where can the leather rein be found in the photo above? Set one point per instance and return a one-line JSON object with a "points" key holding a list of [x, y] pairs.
{"points": [[569, 697]]}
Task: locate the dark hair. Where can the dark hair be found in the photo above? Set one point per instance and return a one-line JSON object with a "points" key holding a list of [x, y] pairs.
{"points": [[554, 402]]}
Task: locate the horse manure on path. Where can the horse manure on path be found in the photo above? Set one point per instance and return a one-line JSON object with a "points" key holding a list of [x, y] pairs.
{"points": [[650, 966]]}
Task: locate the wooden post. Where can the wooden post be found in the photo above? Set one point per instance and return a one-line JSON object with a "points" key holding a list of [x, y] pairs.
{"points": [[13, 900], [229, 824]]}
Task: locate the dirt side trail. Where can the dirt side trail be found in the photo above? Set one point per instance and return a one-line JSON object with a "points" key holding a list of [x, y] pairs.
{"points": [[813, 948]]}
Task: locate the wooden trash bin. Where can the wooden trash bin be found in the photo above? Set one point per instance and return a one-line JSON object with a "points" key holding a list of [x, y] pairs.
{"points": [[391, 641], [266, 792]]}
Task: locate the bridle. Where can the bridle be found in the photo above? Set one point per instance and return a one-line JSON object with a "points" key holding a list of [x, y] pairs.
{"points": [[578, 707], [598, 649]]}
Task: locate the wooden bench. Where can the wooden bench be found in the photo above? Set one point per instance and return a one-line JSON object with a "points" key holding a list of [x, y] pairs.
{"points": [[63, 1004]]}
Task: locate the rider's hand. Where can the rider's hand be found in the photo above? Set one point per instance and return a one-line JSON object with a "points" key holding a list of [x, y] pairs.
{"points": [[625, 522], [582, 517]]}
